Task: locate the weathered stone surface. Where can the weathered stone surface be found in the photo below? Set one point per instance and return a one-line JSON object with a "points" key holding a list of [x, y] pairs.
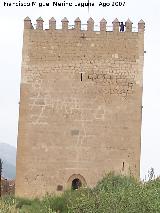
{"points": [[80, 108]]}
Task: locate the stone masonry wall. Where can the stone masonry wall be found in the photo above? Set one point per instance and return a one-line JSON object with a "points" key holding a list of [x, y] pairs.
{"points": [[80, 107]]}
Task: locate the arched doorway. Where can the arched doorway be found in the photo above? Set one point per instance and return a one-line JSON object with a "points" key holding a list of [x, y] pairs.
{"points": [[76, 184], [76, 181]]}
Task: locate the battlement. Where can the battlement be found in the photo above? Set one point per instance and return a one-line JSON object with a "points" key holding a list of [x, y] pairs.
{"points": [[103, 27]]}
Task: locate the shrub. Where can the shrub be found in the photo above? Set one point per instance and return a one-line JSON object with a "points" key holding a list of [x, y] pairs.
{"points": [[113, 194]]}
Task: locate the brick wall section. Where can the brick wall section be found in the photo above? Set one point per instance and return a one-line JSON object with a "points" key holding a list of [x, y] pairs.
{"points": [[69, 127]]}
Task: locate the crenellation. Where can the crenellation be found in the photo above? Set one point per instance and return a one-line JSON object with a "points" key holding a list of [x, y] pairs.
{"points": [[52, 24], [77, 24], [141, 26], [128, 25], [27, 23], [39, 25], [115, 25], [90, 26], [103, 24], [65, 23]]}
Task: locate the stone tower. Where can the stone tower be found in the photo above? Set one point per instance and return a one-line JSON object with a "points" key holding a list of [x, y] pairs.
{"points": [[80, 105]]}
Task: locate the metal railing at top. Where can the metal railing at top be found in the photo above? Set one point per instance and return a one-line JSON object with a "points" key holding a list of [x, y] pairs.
{"points": [[84, 27]]}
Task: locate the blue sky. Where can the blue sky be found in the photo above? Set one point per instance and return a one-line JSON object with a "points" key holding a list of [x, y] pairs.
{"points": [[11, 35]]}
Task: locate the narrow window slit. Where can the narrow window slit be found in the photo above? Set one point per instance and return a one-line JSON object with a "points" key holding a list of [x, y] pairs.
{"points": [[81, 76], [123, 167]]}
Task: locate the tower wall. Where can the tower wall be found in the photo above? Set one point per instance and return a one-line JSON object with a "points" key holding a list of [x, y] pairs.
{"points": [[80, 105]]}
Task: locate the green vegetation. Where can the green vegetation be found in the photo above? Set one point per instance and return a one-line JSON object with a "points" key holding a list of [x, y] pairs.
{"points": [[113, 194]]}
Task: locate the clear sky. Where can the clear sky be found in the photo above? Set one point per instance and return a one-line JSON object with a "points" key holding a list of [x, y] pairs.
{"points": [[11, 35]]}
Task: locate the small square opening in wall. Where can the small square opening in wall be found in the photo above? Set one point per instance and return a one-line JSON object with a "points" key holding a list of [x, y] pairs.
{"points": [[59, 188], [74, 132]]}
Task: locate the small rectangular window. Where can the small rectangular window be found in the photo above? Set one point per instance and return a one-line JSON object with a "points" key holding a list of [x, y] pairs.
{"points": [[59, 188]]}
